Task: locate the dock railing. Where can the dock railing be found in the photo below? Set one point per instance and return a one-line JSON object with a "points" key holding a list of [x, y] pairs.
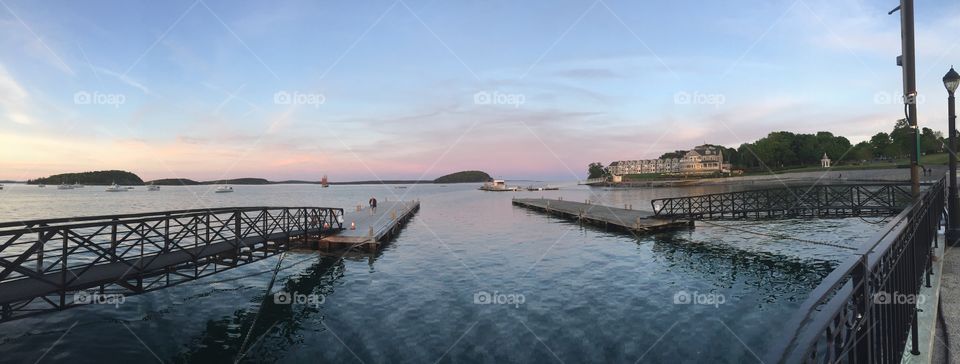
{"points": [[43, 261], [865, 310], [872, 199]]}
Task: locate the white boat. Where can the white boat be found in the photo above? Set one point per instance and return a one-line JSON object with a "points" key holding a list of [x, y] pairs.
{"points": [[224, 189], [115, 188], [498, 185], [64, 186], [153, 188]]}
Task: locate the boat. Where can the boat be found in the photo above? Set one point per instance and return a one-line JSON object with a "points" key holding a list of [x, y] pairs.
{"points": [[153, 187], [41, 185], [224, 189], [542, 188], [77, 185], [324, 183], [64, 186], [115, 188], [129, 187], [498, 185], [1, 186]]}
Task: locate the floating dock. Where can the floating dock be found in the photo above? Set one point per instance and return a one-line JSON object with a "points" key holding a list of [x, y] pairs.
{"points": [[608, 217], [364, 226]]}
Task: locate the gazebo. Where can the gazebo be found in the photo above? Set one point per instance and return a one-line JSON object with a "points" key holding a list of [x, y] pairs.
{"points": [[825, 161]]}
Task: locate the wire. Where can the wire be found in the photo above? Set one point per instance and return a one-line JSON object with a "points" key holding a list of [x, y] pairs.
{"points": [[778, 236]]}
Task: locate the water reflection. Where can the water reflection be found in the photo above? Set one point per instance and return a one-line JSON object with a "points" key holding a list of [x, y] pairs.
{"points": [[277, 327]]}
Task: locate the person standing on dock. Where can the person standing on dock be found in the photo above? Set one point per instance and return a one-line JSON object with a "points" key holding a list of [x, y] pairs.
{"points": [[373, 204]]}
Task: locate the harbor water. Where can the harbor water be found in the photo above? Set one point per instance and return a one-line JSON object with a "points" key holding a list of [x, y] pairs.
{"points": [[470, 279]]}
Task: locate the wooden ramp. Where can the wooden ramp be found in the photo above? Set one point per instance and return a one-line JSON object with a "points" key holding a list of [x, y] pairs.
{"points": [[371, 226], [630, 220]]}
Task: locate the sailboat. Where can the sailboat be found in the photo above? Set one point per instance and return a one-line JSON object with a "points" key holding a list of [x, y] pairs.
{"points": [[324, 183], [153, 187], [64, 186]]}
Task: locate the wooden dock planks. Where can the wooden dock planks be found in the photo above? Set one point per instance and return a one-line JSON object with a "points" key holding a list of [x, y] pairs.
{"points": [[605, 216], [372, 227]]}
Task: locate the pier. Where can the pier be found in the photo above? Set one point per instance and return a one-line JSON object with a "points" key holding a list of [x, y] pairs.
{"points": [[608, 217], [366, 227], [828, 200], [52, 264]]}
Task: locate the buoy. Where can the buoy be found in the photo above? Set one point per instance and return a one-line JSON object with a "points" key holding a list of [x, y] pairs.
{"points": [[353, 225]]}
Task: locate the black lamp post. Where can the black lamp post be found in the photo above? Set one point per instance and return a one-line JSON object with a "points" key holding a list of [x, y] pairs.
{"points": [[951, 80]]}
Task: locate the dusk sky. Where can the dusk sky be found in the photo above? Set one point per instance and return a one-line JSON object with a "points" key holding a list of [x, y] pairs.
{"points": [[364, 90]]}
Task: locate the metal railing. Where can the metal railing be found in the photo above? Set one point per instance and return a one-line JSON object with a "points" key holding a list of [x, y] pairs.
{"points": [[789, 202], [43, 262], [863, 312]]}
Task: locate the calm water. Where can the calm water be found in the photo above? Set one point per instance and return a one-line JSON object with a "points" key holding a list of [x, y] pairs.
{"points": [[587, 295]]}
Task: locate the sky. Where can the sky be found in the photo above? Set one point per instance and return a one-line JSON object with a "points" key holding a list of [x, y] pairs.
{"points": [[411, 89]]}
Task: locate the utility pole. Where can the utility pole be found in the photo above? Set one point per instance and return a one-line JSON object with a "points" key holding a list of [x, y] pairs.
{"points": [[908, 62]]}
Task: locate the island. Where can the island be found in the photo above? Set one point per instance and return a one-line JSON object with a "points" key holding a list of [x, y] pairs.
{"points": [[464, 177], [90, 178]]}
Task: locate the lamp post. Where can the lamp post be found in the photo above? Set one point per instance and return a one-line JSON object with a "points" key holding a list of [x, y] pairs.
{"points": [[951, 80]]}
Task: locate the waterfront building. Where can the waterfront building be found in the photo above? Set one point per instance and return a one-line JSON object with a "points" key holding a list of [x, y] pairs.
{"points": [[704, 159]]}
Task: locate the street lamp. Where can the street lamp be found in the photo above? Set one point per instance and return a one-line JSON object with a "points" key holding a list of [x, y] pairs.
{"points": [[951, 80]]}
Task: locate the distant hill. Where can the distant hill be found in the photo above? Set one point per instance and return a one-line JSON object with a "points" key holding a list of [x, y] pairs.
{"points": [[91, 178], [464, 177], [190, 182], [175, 182]]}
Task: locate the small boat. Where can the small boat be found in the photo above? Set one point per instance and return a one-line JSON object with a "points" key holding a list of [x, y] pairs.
{"points": [[77, 185], [129, 187], [224, 189], [324, 183], [498, 185], [153, 187], [542, 188], [64, 186], [1, 186], [115, 188], [41, 185]]}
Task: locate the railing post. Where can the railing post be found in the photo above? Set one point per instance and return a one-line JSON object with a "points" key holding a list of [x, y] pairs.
{"points": [[236, 232], [113, 241], [63, 271]]}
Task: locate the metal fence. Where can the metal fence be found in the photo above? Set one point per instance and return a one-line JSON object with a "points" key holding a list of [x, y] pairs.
{"points": [[44, 262], [865, 310], [788, 202]]}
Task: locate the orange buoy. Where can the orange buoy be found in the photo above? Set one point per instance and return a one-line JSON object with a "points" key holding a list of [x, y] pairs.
{"points": [[353, 225]]}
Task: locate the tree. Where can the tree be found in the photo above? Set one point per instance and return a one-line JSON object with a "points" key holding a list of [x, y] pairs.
{"points": [[881, 144], [596, 170], [863, 151]]}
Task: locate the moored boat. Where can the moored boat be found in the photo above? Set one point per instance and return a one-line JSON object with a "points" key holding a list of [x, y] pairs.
{"points": [[224, 189], [498, 185], [153, 187], [324, 183], [115, 188]]}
